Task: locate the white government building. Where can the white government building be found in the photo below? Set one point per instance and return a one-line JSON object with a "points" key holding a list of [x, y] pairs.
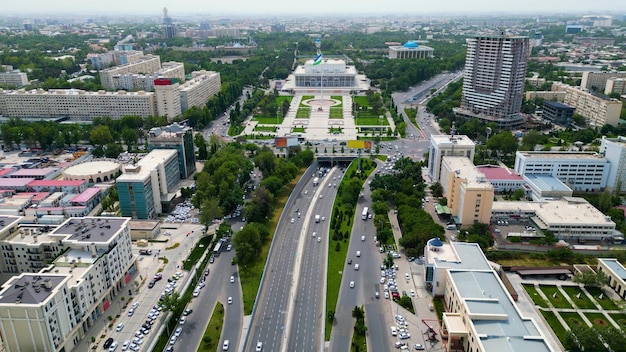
{"points": [[331, 75]]}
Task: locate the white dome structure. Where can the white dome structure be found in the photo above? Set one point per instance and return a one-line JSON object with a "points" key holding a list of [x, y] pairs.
{"points": [[93, 171]]}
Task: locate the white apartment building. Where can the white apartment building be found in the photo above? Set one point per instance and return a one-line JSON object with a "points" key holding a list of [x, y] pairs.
{"points": [[447, 145], [597, 80], [197, 91], [11, 77], [614, 150], [597, 110], [569, 218], [581, 171], [148, 64], [76, 104], [167, 97], [53, 309], [493, 84], [136, 81], [481, 315]]}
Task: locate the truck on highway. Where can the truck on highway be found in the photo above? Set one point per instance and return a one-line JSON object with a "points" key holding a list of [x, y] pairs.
{"points": [[317, 218], [316, 181]]}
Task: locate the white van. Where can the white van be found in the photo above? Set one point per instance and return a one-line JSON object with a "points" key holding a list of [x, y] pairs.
{"points": [[358, 253], [356, 267]]}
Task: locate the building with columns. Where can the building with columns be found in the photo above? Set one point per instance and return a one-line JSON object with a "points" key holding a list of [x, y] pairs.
{"points": [[410, 50]]}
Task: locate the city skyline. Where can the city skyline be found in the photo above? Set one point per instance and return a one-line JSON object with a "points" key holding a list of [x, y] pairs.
{"points": [[281, 7]]}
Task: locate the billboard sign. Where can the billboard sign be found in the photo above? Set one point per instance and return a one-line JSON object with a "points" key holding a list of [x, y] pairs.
{"points": [[283, 142], [359, 144]]}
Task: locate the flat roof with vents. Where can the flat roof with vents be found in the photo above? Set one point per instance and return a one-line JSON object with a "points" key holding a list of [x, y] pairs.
{"points": [[30, 288], [91, 229]]}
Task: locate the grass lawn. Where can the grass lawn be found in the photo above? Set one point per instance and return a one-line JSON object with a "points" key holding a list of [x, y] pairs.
{"points": [[439, 307], [303, 113], [371, 121], [583, 302], [336, 113], [201, 247], [572, 318], [535, 296], [235, 130], [214, 329], [265, 129], [250, 275], [337, 259], [279, 99], [361, 100], [555, 324], [598, 320], [298, 129], [605, 302], [620, 319], [305, 98], [260, 136], [269, 120], [558, 301]]}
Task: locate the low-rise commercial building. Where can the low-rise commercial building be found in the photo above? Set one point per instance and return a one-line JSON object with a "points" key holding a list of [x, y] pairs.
{"points": [[558, 112], [616, 273], [502, 179], [481, 315], [546, 186]]}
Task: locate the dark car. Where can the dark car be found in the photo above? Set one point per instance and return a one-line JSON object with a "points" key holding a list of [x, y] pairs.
{"points": [[349, 261], [151, 284], [187, 311], [206, 272], [108, 343], [212, 259]]}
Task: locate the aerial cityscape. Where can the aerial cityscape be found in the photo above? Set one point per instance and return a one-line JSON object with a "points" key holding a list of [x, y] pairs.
{"points": [[333, 177]]}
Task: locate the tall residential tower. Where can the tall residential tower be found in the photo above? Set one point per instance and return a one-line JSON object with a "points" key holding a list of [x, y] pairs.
{"points": [[493, 85]]}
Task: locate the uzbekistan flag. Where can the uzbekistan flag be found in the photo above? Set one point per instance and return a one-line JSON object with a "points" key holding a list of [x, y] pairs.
{"points": [[317, 60]]}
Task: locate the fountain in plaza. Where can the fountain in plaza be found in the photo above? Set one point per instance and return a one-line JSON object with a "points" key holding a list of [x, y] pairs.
{"points": [[320, 104]]}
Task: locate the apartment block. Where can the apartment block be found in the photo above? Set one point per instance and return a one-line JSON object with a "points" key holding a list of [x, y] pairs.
{"points": [[146, 65], [136, 81], [75, 104], [54, 308], [493, 84], [614, 150], [469, 193], [11, 77], [481, 315], [143, 188], [167, 97], [447, 145], [581, 171], [596, 81], [615, 85], [199, 89], [598, 110]]}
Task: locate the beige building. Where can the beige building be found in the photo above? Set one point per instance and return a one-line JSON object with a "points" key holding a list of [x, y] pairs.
{"points": [[469, 194], [146, 65], [447, 145], [167, 97], [75, 104], [597, 110], [597, 80], [615, 85], [136, 81], [53, 309], [546, 95], [616, 273], [11, 77], [199, 89]]}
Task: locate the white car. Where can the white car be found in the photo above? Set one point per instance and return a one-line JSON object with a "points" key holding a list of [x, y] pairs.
{"points": [[412, 292], [135, 305], [119, 327], [394, 331], [319, 239], [259, 346], [125, 345], [386, 294], [183, 319], [293, 220], [363, 238], [351, 284], [232, 279], [196, 292], [230, 300], [314, 234], [225, 345], [178, 332]]}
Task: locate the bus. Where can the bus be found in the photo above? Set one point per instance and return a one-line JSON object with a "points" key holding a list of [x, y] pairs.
{"points": [[365, 213], [217, 249]]}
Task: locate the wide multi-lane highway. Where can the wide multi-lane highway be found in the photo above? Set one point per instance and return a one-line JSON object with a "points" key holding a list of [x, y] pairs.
{"points": [[306, 332]]}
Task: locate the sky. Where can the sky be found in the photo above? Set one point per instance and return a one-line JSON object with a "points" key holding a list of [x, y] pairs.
{"points": [[303, 7]]}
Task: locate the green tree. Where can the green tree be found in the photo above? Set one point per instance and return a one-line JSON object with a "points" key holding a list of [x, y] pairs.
{"points": [[172, 302], [437, 189], [591, 278], [100, 136]]}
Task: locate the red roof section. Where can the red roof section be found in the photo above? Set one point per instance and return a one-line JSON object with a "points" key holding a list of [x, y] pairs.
{"points": [[86, 195], [56, 183], [498, 173], [7, 170]]}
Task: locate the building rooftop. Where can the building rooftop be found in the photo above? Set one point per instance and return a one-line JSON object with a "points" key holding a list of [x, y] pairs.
{"points": [[563, 155], [615, 266], [465, 169], [56, 183], [15, 182], [8, 221], [497, 173], [457, 255], [498, 323], [90, 229], [34, 172], [30, 288], [558, 105], [569, 211], [88, 194], [144, 166], [546, 182], [449, 140]]}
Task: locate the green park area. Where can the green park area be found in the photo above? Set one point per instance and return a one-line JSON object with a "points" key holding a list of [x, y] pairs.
{"points": [[336, 113], [303, 112], [265, 129]]}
